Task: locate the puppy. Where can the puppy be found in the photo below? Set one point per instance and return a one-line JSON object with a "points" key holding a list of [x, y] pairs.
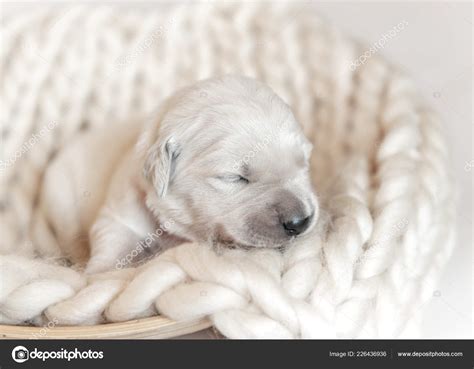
{"points": [[224, 162]]}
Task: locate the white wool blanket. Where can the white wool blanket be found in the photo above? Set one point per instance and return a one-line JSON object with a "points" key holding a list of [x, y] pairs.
{"points": [[379, 165]]}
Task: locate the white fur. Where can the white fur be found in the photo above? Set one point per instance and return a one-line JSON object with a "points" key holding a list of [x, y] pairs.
{"points": [[178, 173]]}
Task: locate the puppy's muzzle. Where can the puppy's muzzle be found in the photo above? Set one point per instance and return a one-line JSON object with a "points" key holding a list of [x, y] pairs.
{"points": [[294, 215]]}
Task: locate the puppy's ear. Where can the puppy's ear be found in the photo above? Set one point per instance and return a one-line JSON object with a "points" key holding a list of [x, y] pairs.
{"points": [[160, 163]]}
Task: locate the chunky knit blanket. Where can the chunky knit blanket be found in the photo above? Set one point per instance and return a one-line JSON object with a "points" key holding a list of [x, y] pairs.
{"points": [[379, 166]]}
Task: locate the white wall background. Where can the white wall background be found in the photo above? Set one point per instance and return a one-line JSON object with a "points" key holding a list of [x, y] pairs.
{"points": [[435, 48]]}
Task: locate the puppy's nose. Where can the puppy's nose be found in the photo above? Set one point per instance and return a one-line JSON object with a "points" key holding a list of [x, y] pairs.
{"points": [[297, 225]]}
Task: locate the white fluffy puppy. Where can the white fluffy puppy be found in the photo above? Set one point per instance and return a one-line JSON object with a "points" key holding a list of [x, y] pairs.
{"points": [[224, 161]]}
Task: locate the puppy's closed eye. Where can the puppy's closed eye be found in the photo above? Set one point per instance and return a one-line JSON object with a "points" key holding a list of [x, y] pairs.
{"points": [[228, 182], [233, 178]]}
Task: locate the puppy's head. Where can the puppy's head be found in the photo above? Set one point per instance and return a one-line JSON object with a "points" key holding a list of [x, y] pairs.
{"points": [[229, 162]]}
